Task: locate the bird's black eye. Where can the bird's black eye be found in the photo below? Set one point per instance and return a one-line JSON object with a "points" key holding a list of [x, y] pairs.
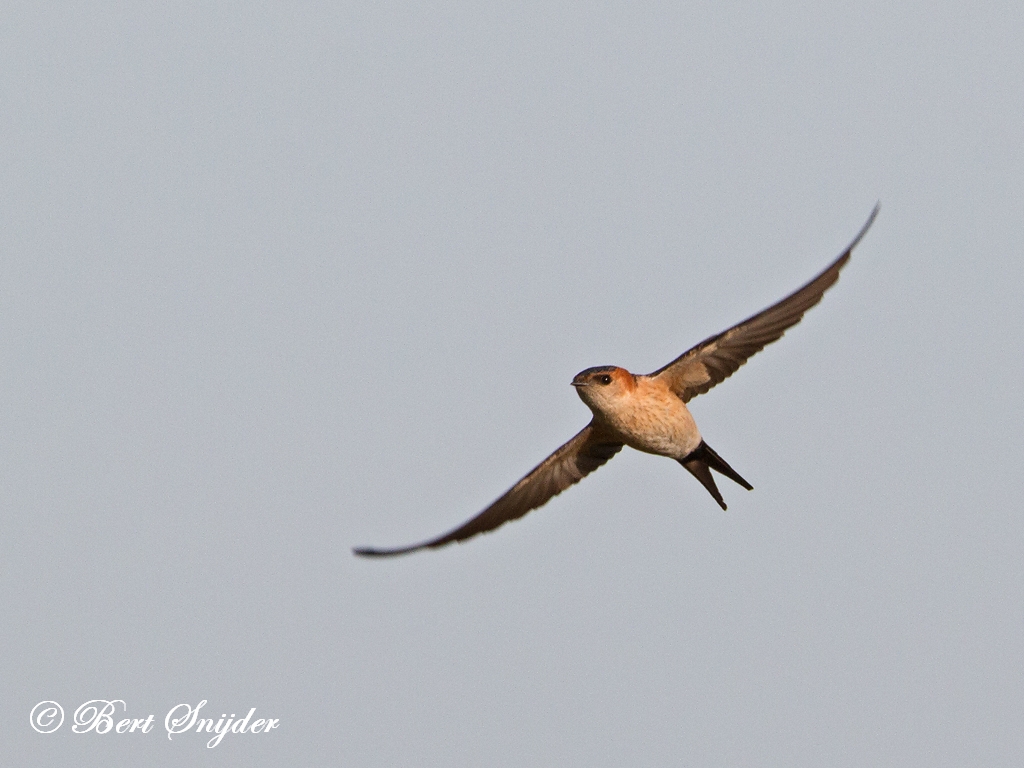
{"points": [[604, 378]]}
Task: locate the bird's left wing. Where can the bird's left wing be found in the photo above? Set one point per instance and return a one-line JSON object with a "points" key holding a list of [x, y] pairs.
{"points": [[717, 358], [566, 466]]}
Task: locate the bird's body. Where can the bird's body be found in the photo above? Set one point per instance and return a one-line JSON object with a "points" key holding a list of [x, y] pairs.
{"points": [[639, 411], [648, 412]]}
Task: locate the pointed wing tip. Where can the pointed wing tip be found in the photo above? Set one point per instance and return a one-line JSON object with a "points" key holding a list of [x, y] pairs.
{"points": [[372, 552], [865, 228], [844, 257]]}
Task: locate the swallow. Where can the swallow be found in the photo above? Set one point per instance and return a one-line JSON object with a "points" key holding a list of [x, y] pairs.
{"points": [[648, 413]]}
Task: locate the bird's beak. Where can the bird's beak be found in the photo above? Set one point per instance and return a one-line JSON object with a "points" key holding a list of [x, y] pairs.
{"points": [[578, 382]]}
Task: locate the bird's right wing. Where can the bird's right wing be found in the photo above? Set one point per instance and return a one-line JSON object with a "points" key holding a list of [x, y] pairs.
{"points": [[566, 466], [718, 357]]}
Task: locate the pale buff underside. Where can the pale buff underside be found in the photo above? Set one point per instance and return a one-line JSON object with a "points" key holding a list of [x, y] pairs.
{"points": [[651, 418]]}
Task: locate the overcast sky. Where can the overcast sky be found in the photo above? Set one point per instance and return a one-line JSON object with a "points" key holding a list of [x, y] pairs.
{"points": [[283, 279]]}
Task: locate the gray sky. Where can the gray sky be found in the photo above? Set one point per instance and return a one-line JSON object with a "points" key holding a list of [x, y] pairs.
{"points": [[283, 279]]}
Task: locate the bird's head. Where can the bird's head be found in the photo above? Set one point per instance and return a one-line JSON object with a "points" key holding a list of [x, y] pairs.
{"points": [[601, 387]]}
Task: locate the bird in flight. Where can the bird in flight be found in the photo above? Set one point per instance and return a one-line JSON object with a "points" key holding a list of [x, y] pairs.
{"points": [[647, 412]]}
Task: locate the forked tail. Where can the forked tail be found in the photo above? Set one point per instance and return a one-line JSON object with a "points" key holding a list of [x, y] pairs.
{"points": [[701, 461]]}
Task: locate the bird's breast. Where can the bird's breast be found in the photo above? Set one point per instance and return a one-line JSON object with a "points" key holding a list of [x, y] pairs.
{"points": [[653, 419]]}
